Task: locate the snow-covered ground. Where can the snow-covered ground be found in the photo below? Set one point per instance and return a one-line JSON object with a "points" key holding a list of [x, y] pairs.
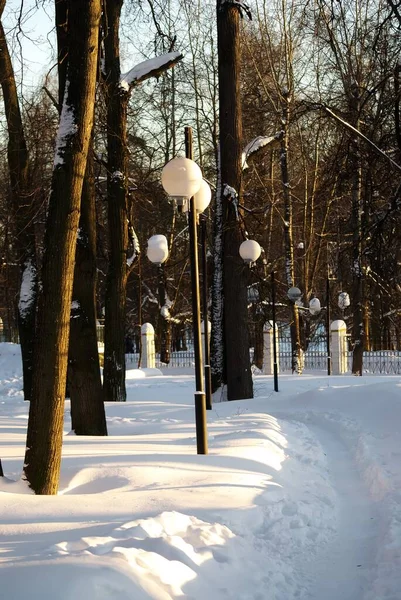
{"points": [[298, 498]]}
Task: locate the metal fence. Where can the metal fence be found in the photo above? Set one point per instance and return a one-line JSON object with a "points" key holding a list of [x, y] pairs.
{"points": [[386, 362], [184, 358], [315, 358]]}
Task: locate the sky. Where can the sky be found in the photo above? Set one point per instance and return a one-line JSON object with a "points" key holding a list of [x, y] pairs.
{"points": [[298, 498], [33, 44], [34, 41]]}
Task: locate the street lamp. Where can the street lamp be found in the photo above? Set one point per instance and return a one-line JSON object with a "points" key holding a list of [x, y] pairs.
{"points": [[294, 294], [250, 251], [314, 306], [202, 200], [202, 197], [157, 253], [182, 179]]}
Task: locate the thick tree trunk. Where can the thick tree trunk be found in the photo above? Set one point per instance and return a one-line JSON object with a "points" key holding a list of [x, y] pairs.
{"points": [[114, 332], [23, 209], [85, 385], [236, 334], [358, 332], [45, 425], [84, 381]]}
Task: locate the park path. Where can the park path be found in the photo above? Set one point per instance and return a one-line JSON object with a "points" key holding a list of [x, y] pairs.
{"points": [[346, 568]]}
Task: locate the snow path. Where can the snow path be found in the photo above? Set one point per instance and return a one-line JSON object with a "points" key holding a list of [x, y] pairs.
{"points": [[346, 568]]}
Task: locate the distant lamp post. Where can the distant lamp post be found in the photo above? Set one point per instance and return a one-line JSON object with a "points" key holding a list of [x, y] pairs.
{"points": [[275, 365], [250, 251], [182, 179]]}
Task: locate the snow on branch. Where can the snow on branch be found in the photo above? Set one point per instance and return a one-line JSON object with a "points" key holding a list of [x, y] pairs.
{"points": [[149, 68], [134, 241], [259, 142]]}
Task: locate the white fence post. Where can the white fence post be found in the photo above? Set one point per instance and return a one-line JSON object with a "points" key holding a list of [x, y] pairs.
{"points": [[148, 346], [268, 356], [338, 330]]}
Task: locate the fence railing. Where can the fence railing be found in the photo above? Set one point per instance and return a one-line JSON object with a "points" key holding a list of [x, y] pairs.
{"points": [[386, 362], [182, 358], [315, 358]]}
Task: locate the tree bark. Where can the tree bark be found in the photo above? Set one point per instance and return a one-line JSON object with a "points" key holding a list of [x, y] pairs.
{"points": [[217, 349], [358, 332], [84, 381], [117, 100], [236, 334], [85, 385], [45, 425]]}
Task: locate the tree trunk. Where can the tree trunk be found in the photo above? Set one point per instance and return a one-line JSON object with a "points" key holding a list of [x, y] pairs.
{"points": [[236, 334], [117, 100], [85, 385], [23, 209], [45, 425], [358, 332], [217, 312], [84, 381]]}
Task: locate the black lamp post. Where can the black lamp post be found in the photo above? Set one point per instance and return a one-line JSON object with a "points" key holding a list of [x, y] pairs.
{"points": [[208, 371], [275, 367], [182, 179], [328, 319]]}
